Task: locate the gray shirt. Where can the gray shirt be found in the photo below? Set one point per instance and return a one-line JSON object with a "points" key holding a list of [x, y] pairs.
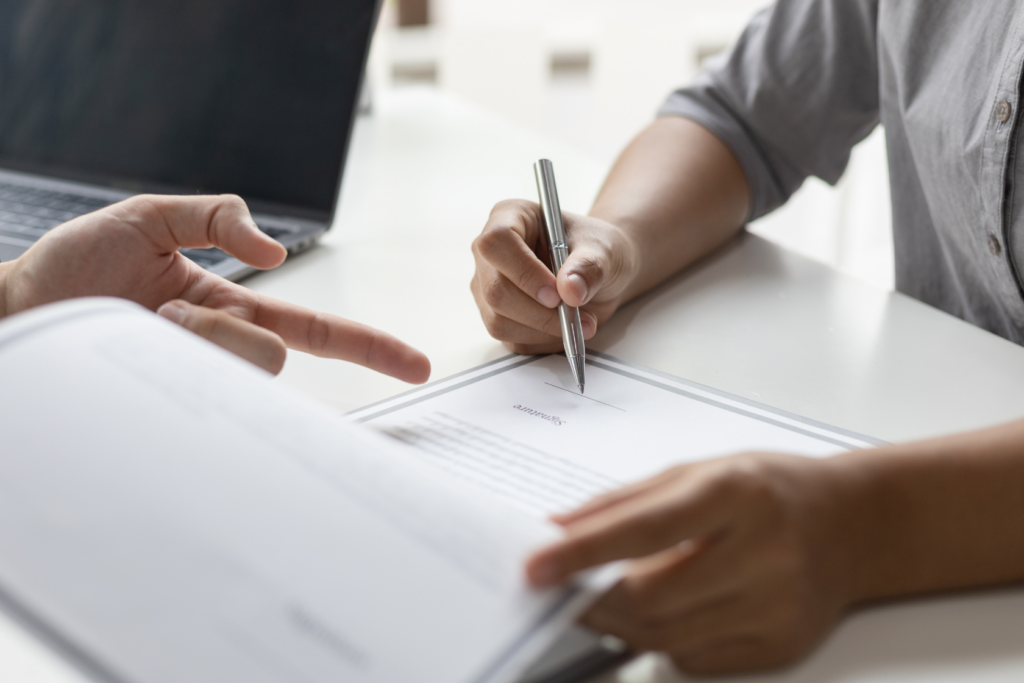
{"points": [[810, 78]]}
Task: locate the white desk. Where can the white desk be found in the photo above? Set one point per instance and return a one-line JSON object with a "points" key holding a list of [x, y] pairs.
{"points": [[754, 320]]}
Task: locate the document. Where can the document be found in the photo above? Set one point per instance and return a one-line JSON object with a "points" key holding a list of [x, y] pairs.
{"points": [[168, 513], [520, 430]]}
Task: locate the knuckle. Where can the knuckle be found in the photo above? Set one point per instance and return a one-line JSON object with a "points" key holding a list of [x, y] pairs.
{"points": [[746, 477], [522, 349], [477, 289], [318, 333], [504, 205], [497, 326], [492, 240], [376, 346], [523, 207], [591, 267], [494, 293], [525, 272], [143, 199], [140, 205], [232, 200], [203, 322]]}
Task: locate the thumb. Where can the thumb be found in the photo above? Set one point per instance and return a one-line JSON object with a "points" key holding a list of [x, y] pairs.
{"points": [[583, 275], [602, 260], [200, 222]]}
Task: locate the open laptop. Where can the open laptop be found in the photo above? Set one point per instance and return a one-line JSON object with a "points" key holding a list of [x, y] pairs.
{"points": [[104, 99]]}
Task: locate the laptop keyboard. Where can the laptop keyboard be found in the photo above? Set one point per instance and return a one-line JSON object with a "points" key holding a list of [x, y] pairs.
{"points": [[28, 213]]}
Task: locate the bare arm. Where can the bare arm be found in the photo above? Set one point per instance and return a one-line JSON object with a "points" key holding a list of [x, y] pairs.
{"points": [[675, 194], [936, 515], [678, 193]]}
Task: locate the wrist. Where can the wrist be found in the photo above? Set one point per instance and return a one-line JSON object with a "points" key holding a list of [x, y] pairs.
{"points": [[879, 519], [837, 528], [633, 259]]}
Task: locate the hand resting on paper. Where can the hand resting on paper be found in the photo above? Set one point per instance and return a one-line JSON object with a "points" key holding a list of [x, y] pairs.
{"points": [[737, 565], [130, 250], [746, 562]]}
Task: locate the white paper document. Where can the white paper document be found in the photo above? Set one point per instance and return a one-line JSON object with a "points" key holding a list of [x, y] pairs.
{"points": [[519, 428], [167, 514]]}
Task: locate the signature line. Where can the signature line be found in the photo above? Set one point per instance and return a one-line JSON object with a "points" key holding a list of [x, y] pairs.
{"points": [[553, 386]]}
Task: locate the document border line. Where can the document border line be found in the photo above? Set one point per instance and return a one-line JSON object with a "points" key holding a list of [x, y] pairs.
{"points": [[712, 402], [445, 390], [436, 382], [746, 401], [839, 432]]}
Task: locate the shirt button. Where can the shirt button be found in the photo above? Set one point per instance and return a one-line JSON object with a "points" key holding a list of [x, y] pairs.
{"points": [[1003, 111], [994, 246]]}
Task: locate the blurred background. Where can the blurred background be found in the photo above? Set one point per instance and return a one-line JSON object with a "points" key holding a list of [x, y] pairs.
{"points": [[590, 73]]}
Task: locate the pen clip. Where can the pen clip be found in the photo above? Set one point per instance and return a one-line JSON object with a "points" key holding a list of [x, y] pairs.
{"points": [[554, 228]]}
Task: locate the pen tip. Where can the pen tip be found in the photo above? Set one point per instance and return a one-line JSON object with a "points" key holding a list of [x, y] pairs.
{"points": [[581, 388]]}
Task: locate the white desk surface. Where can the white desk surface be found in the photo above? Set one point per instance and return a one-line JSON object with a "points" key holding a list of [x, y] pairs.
{"points": [[754, 320]]}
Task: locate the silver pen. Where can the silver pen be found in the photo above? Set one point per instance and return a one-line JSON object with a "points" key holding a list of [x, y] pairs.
{"points": [[558, 250]]}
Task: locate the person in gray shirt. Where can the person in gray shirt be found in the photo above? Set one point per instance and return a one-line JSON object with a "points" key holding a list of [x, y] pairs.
{"points": [[749, 560]]}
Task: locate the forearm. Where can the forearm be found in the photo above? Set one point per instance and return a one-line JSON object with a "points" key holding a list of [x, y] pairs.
{"points": [[934, 515], [678, 193]]}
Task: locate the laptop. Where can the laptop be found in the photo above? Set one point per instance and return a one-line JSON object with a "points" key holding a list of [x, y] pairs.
{"points": [[105, 99]]}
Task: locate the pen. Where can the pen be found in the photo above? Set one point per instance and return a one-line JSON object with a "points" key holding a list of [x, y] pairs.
{"points": [[554, 232]]}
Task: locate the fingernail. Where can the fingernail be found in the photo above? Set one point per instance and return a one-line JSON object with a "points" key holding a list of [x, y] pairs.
{"points": [[579, 286], [173, 311], [548, 297], [545, 572], [589, 324]]}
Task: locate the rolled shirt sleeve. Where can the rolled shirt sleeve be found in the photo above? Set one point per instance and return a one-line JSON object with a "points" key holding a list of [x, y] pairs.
{"points": [[794, 95]]}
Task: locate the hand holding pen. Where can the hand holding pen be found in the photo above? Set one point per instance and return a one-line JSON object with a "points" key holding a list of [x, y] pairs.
{"points": [[516, 291]]}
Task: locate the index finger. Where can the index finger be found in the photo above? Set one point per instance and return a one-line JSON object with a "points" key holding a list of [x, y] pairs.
{"points": [[639, 526], [330, 336], [506, 244]]}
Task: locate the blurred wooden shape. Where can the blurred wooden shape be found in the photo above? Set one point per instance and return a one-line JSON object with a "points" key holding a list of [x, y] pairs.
{"points": [[413, 12]]}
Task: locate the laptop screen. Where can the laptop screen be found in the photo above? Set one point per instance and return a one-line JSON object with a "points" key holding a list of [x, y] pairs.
{"points": [[253, 97]]}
